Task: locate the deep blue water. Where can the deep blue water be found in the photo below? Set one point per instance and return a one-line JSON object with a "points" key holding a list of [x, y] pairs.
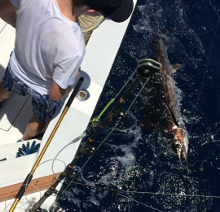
{"points": [[134, 159]]}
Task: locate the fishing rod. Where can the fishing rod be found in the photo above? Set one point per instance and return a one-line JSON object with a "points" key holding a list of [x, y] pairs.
{"points": [[30, 175], [145, 68]]}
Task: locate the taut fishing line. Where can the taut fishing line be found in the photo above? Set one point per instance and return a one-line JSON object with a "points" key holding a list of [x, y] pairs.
{"points": [[148, 192], [105, 138]]}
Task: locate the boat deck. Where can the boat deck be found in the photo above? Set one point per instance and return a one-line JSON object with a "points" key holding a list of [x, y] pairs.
{"points": [[10, 122], [100, 56]]}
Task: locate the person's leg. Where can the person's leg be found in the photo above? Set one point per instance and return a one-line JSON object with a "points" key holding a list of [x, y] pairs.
{"points": [[34, 127], [43, 109], [10, 85], [4, 94]]}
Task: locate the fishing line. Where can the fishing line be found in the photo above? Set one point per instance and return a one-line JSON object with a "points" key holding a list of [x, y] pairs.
{"points": [[208, 62], [112, 100], [88, 159], [118, 192], [105, 138], [202, 33], [140, 203], [150, 193], [178, 195]]}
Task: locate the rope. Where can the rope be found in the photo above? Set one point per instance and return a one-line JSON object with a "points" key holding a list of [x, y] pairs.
{"points": [[6, 199], [55, 159], [72, 142], [112, 100], [104, 139]]}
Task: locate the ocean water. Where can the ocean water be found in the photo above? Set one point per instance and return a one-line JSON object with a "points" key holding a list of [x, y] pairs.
{"points": [[133, 159]]}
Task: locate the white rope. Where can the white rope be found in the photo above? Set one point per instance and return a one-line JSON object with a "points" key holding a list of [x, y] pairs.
{"points": [[6, 199], [38, 190], [72, 142]]}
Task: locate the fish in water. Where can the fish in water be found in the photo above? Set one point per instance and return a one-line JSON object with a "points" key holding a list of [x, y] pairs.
{"points": [[162, 104]]}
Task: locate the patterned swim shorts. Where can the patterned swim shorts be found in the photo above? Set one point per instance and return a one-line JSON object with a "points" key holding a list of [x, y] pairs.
{"points": [[43, 106]]}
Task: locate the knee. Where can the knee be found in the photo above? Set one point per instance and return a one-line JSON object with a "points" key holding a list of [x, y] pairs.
{"points": [[4, 93]]}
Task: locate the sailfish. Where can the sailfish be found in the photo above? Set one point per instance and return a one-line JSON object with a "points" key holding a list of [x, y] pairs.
{"points": [[162, 104]]}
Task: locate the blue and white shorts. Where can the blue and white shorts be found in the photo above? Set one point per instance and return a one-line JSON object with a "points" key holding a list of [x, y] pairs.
{"points": [[43, 106]]}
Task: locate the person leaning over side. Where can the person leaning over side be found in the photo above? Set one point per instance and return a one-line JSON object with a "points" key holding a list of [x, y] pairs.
{"points": [[49, 49]]}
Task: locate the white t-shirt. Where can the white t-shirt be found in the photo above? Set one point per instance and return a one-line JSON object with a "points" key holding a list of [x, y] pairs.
{"points": [[48, 46]]}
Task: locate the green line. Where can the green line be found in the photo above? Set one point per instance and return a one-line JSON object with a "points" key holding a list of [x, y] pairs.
{"points": [[104, 139], [112, 100], [137, 95], [88, 160]]}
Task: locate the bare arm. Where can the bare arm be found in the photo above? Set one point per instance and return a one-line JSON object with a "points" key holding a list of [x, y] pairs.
{"points": [[57, 93], [8, 12]]}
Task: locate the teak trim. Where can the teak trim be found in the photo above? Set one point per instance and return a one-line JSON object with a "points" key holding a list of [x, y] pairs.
{"points": [[41, 183]]}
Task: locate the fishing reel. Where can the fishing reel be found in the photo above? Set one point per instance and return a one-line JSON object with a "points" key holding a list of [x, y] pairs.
{"points": [[147, 67]]}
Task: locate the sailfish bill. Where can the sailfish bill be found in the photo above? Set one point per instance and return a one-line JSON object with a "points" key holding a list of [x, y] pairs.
{"points": [[162, 104]]}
